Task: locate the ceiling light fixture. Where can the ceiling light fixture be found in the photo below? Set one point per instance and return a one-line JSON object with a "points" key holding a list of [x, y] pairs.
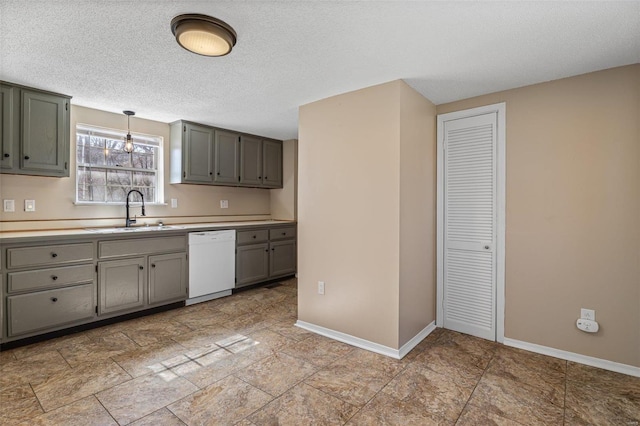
{"points": [[203, 34], [128, 142]]}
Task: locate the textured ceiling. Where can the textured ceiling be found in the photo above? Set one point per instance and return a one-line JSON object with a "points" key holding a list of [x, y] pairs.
{"points": [[116, 54]]}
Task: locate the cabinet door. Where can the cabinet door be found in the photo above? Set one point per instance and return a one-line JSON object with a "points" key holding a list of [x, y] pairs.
{"points": [[7, 129], [121, 284], [198, 154], [252, 264], [45, 134], [167, 277], [226, 157], [250, 161], [272, 164], [283, 258]]}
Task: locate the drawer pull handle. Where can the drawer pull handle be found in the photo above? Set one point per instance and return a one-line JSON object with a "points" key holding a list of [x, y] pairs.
{"points": [[54, 277], [141, 267], [153, 265], [54, 299], [54, 254]]}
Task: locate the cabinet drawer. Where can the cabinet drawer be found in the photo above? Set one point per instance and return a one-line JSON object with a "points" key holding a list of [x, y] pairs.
{"points": [[51, 308], [138, 246], [282, 233], [255, 236], [42, 278], [49, 255]]}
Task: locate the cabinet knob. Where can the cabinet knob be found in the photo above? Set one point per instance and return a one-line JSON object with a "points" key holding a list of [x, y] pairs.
{"points": [[266, 177], [6, 155], [54, 299], [259, 177], [218, 173], [54, 277], [211, 173], [54, 254], [141, 267], [254, 237], [273, 249], [26, 157], [486, 247], [153, 265], [284, 233], [267, 251]]}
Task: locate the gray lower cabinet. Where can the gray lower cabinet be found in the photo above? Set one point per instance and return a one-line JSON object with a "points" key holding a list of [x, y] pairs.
{"points": [[121, 284], [35, 131], [48, 309], [282, 259], [167, 277], [252, 264], [264, 254]]}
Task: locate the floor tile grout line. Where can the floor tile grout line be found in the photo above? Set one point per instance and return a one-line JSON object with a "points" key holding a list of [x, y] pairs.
{"points": [[37, 399], [95, 395], [476, 386]]}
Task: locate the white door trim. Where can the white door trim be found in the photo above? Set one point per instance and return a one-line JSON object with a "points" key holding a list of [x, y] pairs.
{"points": [[500, 109]]}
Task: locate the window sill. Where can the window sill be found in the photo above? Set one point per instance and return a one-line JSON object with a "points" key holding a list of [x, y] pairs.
{"points": [[132, 204]]}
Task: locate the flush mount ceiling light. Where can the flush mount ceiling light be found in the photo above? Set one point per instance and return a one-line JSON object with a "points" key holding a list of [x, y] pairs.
{"points": [[203, 34], [128, 142]]}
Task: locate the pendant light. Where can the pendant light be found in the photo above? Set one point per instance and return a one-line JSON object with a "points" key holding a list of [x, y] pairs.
{"points": [[128, 142], [203, 35]]}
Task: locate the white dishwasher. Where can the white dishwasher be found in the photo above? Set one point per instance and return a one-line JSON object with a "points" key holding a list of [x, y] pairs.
{"points": [[212, 265]]}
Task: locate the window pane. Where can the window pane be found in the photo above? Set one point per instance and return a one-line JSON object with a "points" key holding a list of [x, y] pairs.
{"points": [[97, 177], [96, 156], [118, 157], [149, 193], [143, 161], [118, 177], [96, 193], [117, 194], [144, 179], [96, 142]]}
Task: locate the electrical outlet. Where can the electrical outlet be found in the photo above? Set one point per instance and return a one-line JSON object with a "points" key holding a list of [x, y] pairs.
{"points": [[320, 287], [588, 314], [29, 205], [174, 203], [224, 204], [9, 206]]}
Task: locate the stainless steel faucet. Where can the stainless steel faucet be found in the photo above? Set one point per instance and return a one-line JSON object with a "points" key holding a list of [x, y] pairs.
{"points": [[130, 221]]}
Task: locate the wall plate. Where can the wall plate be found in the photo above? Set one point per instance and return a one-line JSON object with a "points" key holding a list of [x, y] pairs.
{"points": [[29, 205], [9, 206]]}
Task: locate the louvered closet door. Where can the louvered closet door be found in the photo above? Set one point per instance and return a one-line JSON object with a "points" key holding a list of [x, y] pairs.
{"points": [[470, 225]]}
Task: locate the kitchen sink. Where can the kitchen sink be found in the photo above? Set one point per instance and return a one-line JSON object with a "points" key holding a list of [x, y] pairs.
{"points": [[133, 229]]}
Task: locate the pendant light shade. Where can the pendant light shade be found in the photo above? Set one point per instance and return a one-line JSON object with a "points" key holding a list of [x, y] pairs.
{"points": [[203, 34], [128, 141]]}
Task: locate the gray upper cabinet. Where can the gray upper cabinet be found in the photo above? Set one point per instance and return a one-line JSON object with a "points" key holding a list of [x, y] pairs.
{"points": [[7, 126], [35, 132], [208, 155], [227, 153], [198, 146], [250, 161], [272, 164]]}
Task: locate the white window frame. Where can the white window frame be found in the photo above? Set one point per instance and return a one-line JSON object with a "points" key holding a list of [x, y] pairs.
{"points": [[121, 134]]}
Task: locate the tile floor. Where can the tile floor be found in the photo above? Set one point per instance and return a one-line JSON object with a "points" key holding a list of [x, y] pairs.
{"points": [[240, 360]]}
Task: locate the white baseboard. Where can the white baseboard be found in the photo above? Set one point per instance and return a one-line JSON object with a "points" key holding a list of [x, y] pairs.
{"points": [[572, 356], [366, 344]]}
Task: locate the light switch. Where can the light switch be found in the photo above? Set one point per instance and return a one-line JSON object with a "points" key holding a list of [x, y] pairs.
{"points": [[174, 203], [224, 204], [9, 206], [29, 205]]}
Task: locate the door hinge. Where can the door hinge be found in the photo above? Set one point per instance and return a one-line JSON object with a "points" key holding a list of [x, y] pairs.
{"points": [[184, 128], [184, 175], [66, 106]]}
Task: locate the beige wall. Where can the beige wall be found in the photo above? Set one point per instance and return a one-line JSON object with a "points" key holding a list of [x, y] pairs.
{"points": [[351, 228], [417, 213], [573, 211], [55, 196], [284, 202]]}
